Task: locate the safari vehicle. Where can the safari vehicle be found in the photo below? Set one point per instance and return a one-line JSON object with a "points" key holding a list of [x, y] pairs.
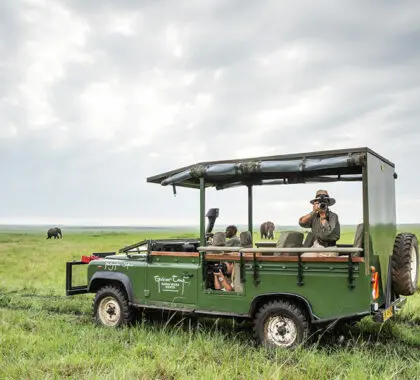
{"points": [[284, 293]]}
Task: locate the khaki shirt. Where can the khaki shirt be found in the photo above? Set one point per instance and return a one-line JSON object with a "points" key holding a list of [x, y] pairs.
{"points": [[233, 242], [328, 232], [235, 280]]}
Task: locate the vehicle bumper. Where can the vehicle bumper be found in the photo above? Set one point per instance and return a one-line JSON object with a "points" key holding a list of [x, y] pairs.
{"points": [[385, 313]]}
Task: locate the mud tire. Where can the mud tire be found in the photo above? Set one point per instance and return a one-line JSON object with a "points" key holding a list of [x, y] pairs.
{"points": [[280, 324], [111, 307], [405, 264]]}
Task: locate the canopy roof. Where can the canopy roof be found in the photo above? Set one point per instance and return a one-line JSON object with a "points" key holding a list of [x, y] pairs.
{"points": [[321, 166]]}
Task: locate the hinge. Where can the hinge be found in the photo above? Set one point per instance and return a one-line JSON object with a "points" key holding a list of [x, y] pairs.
{"points": [[300, 270], [351, 272], [256, 270]]}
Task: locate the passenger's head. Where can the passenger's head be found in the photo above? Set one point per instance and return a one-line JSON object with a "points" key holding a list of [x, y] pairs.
{"points": [[219, 239], [231, 231]]}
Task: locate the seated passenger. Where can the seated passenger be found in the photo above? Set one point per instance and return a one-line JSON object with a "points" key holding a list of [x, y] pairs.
{"points": [[233, 240], [245, 239], [324, 224], [227, 277]]}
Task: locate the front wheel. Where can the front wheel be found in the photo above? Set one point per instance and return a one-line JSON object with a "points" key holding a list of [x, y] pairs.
{"points": [[280, 324], [111, 307]]}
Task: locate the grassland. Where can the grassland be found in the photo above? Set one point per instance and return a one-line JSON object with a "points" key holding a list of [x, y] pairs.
{"points": [[45, 335]]}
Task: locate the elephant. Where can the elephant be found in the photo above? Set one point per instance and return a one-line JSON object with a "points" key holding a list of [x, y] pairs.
{"points": [[54, 232], [267, 230]]}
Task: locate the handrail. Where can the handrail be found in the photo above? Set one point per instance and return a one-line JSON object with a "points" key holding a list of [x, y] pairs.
{"points": [[216, 256], [273, 250], [214, 248]]}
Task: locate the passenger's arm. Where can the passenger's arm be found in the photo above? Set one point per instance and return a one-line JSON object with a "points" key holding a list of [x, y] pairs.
{"points": [[306, 220], [222, 283], [217, 285]]}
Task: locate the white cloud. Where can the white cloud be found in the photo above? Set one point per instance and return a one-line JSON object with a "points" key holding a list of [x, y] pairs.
{"points": [[126, 23], [173, 41], [54, 38], [8, 131], [102, 110]]}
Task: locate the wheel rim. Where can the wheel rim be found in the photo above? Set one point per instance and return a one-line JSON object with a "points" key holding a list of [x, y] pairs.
{"points": [[109, 311], [413, 264], [281, 331]]}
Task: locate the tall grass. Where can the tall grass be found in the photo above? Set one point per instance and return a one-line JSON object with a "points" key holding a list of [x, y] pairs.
{"points": [[46, 335]]}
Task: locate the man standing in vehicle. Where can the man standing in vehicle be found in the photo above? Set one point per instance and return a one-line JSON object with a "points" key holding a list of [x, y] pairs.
{"points": [[324, 224]]}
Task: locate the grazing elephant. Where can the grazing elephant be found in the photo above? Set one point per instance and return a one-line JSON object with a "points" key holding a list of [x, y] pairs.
{"points": [[267, 230], [54, 232]]}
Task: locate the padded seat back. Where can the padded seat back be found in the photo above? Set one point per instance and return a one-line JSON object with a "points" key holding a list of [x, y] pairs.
{"points": [[309, 240], [245, 238], [289, 239], [219, 239], [358, 238]]}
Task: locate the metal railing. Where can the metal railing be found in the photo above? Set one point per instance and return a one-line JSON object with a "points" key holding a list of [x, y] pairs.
{"points": [[275, 250]]}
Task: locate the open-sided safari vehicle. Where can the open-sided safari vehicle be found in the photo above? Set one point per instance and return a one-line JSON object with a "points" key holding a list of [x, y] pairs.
{"points": [[284, 293]]}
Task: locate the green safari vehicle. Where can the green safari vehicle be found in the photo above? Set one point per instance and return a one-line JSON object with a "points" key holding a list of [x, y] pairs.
{"points": [[283, 293]]}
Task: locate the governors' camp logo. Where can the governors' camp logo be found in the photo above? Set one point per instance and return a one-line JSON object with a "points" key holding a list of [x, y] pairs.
{"points": [[174, 284]]}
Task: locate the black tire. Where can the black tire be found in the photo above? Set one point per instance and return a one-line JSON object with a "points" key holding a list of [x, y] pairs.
{"points": [[405, 264], [280, 324], [111, 307]]}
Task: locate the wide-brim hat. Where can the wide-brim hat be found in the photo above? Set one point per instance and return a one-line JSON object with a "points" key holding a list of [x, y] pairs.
{"points": [[323, 195]]}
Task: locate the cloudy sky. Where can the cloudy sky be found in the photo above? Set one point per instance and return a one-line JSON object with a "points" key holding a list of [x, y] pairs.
{"points": [[97, 95]]}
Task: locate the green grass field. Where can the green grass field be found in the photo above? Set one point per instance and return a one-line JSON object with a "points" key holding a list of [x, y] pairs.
{"points": [[46, 335]]}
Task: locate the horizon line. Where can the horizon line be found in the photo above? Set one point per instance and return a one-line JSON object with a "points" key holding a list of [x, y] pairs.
{"points": [[148, 226]]}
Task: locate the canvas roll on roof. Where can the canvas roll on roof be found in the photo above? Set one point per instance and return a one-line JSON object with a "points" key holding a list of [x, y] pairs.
{"points": [[325, 166]]}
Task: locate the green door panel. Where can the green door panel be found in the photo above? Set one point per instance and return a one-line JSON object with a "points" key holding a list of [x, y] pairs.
{"points": [[173, 282]]}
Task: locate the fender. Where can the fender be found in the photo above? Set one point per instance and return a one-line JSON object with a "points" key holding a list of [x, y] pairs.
{"points": [[111, 276], [301, 299]]}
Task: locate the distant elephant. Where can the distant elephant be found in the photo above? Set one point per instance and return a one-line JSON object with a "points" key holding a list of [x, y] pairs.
{"points": [[267, 230], [54, 232]]}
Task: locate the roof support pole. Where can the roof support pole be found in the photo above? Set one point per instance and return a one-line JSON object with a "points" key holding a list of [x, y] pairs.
{"points": [[250, 208], [202, 212]]}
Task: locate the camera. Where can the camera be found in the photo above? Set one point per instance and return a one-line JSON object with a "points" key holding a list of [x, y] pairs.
{"points": [[323, 203], [220, 268], [323, 206]]}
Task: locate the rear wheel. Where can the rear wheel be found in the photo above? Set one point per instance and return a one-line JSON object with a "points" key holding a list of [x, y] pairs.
{"points": [[111, 307], [405, 264], [280, 324]]}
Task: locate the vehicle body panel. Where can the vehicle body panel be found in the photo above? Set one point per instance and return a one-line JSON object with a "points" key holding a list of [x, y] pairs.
{"points": [[325, 287], [381, 215], [133, 266]]}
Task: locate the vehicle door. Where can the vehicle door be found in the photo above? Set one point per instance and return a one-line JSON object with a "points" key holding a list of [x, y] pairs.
{"points": [[172, 277]]}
